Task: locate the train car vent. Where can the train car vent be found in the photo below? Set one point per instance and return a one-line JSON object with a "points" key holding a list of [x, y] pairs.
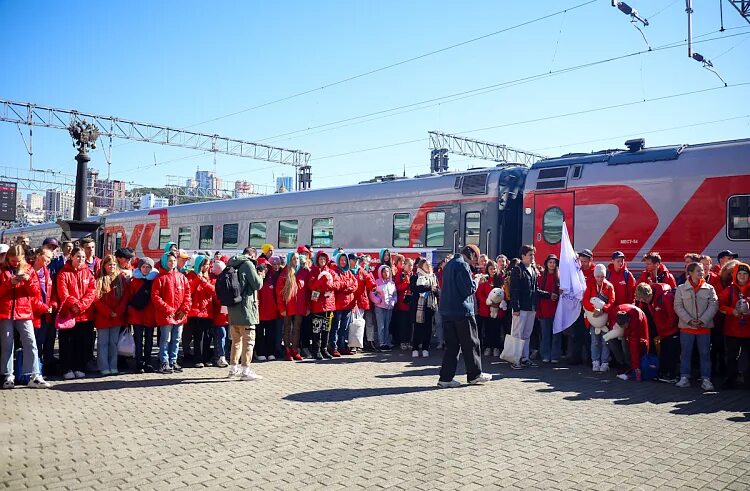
{"points": [[552, 178], [474, 184], [457, 184]]}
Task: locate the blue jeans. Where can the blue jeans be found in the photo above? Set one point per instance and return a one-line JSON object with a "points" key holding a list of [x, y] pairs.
{"points": [[30, 355], [340, 329], [686, 355], [169, 344], [106, 348], [599, 349], [144, 342], [551, 347], [439, 334], [220, 341], [383, 318]]}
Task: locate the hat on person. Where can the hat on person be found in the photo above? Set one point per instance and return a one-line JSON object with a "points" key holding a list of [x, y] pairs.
{"points": [[218, 267], [125, 252], [4, 248], [473, 248], [182, 254], [586, 253], [618, 255], [50, 241], [600, 270], [743, 267], [353, 257], [265, 248], [303, 250], [728, 253], [275, 261], [145, 260]]}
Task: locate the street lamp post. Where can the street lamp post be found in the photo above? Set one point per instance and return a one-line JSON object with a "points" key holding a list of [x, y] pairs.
{"points": [[84, 138]]}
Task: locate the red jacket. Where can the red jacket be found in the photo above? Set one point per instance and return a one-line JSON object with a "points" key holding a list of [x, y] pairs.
{"points": [[662, 310], [17, 302], [202, 294], [589, 272], [108, 304], [145, 317], [45, 301], [365, 283], [267, 309], [636, 333], [221, 314], [321, 286], [402, 288], [346, 286], [483, 291], [76, 287], [170, 295], [734, 326], [607, 291], [297, 303], [624, 283], [661, 275], [547, 283]]}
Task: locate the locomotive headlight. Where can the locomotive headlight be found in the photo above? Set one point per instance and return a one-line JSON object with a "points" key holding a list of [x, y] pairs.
{"points": [[527, 211]]}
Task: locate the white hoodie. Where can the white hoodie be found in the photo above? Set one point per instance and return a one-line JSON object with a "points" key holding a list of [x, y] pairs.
{"points": [[384, 295]]}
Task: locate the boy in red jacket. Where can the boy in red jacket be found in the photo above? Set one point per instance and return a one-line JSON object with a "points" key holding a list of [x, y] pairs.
{"points": [[659, 299], [346, 285], [171, 297], [141, 313], [322, 286], [733, 302], [201, 314]]}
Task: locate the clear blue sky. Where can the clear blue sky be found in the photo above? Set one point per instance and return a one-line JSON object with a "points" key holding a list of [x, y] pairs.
{"points": [[181, 62]]}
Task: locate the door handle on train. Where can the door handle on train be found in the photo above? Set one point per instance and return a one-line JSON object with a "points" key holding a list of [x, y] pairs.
{"points": [[539, 237]]}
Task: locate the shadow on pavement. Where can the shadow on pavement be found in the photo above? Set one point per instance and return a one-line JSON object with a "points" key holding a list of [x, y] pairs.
{"points": [[117, 384], [341, 395]]}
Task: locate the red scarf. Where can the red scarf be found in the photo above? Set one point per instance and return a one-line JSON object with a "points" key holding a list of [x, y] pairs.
{"points": [[698, 286]]}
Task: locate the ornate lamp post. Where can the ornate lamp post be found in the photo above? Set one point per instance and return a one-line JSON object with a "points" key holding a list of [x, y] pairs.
{"points": [[84, 137]]}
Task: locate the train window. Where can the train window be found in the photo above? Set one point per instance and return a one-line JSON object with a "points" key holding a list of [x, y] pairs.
{"points": [[552, 223], [206, 237], [257, 234], [401, 230], [165, 235], [472, 227], [118, 240], [288, 234], [230, 236], [184, 237], [738, 217], [435, 229], [322, 232]]}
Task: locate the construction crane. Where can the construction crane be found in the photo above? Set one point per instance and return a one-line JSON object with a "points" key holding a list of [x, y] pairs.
{"points": [[443, 143]]}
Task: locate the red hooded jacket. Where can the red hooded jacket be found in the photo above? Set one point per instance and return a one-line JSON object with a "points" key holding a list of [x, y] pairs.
{"points": [[298, 303], [144, 317], [662, 310], [662, 275], [322, 287], [736, 327], [346, 286], [592, 290], [547, 283], [76, 287], [624, 283], [46, 300], [401, 278], [202, 292], [170, 295], [365, 284], [17, 302], [110, 304], [267, 309], [636, 332]]}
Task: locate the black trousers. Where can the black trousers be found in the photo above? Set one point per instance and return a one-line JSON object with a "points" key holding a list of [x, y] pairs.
{"points": [[581, 341], [265, 338], [401, 326], [74, 347], [669, 356], [305, 333], [733, 348], [718, 354], [202, 330], [461, 335], [423, 331]]}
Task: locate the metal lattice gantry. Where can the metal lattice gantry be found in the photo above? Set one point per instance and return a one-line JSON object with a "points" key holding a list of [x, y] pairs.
{"points": [[33, 115], [470, 147], [743, 7]]}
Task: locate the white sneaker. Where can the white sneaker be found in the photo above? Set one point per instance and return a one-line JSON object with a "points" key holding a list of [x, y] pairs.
{"points": [[425, 353], [248, 374], [684, 382], [595, 366], [604, 367], [69, 375], [487, 351], [482, 378], [234, 371], [707, 385], [496, 352], [415, 354], [79, 374], [38, 383], [260, 358], [9, 383], [452, 384], [271, 358]]}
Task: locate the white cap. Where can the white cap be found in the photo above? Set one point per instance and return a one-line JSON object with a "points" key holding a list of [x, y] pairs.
{"points": [[218, 267], [4, 248]]}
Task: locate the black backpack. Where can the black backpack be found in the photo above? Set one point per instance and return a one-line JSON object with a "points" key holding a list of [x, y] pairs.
{"points": [[228, 287], [142, 297]]}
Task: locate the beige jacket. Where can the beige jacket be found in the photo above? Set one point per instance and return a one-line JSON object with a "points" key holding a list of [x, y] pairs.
{"points": [[689, 305]]}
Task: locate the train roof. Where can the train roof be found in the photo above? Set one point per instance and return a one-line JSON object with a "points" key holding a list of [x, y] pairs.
{"points": [[639, 155]]}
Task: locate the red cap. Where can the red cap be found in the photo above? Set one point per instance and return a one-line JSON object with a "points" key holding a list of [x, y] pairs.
{"points": [[303, 250]]}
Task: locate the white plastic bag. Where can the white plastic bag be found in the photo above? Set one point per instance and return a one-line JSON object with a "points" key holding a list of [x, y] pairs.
{"points": [[512, 349], [357, 329], [126, 344]]}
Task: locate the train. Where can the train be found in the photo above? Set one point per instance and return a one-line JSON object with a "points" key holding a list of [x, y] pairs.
{"points": [[671, 199]]}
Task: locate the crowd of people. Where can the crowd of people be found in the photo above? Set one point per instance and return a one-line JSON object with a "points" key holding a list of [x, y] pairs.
{"points": [[211, 310]]}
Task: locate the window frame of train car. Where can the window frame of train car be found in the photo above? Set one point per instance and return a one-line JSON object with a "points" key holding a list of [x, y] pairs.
{"points": [[563, 200], [405, 226], [315, 241], [180, 234], [163, 243], [200, 236], [230, 245], [292, 244], [469, 208], [730, 217], [250, 234]]}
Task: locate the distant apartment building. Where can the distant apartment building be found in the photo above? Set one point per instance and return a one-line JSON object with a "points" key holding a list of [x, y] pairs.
{"points": [[34, 202], [284, 184], [122, 204], [152, 201], [59, 205]]}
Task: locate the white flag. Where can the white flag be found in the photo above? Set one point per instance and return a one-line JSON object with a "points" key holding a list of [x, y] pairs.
{"points": [[572, 286]]}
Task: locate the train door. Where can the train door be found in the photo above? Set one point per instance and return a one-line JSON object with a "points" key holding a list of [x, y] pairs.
{"points": [[550, 209], [474, 226]]}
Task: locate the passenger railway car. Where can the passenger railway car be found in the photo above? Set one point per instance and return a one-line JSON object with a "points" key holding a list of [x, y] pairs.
{"points": [[675, 199]]}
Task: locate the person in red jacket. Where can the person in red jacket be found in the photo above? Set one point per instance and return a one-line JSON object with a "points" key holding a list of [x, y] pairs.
{"points": [[44, 326], [171, 297], [548, 288], [19, 293], [346, 285], [401, 326], [602, 290], [621, 278], [633, 321], [303, 276], [365, 284], [141, 312], [221, 321], [733, 302], [76, 292], [109, 313], [490, 328], [659, 299], [655, 271], [201, 314], [268, 312], [322, 286], [291, 300]]}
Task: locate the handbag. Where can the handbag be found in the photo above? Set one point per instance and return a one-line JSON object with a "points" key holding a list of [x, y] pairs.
{"points": [[126, 344], [512, 349], [65, 321], [357, 329]]}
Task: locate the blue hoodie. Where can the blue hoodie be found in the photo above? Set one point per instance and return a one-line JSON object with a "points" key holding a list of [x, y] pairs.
{"points": [[336, 261], [151, 274], [199, 259], [382, 255], [289, 256]]}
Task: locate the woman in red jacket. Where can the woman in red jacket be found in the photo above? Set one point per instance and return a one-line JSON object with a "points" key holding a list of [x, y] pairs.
{"points": [[171, 298], [291, 300], [44, 326], [200, 316], [401, 322], [268, 313], [221, 321], [344, 298], [141, 312], [76, 292], [733, 302], [19, 292], [490, 328], [109, 313], [548, 287], [322, 286], [603, 290]]}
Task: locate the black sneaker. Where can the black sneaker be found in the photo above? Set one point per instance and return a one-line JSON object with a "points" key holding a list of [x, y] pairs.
{"points": [[148, 368], [326, 354], [529, 364], [165, 368], [176, 367]]}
